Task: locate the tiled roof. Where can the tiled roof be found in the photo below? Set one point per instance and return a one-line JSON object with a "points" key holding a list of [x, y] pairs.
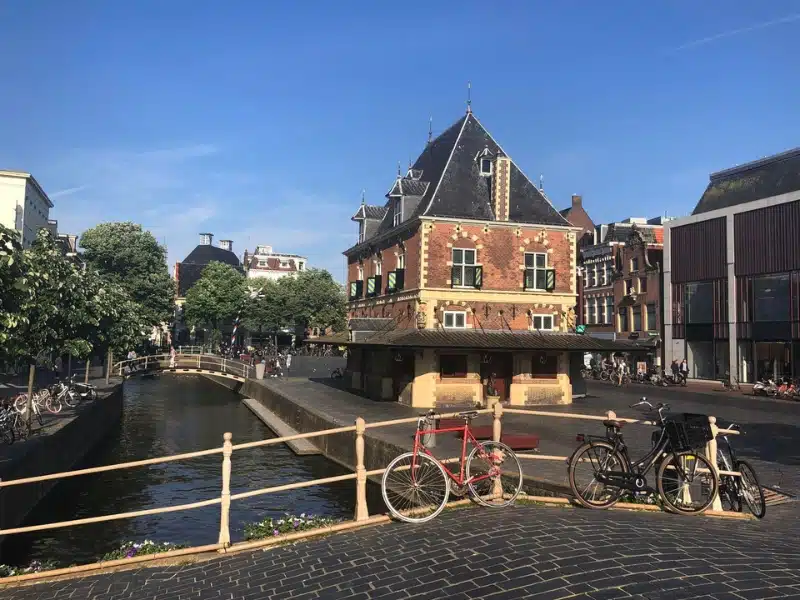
{"points": [[367, 211], [483, 340], [771, 176], [206, 253], [273, 263], [620, 232], [370, 324]]}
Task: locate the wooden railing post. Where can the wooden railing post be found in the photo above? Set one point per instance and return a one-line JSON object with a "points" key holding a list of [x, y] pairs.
{"points": [[224, 518], [88, 366], [362, 511], [711, 455], [110, 360], [198, 361], [145, 362], [497, 430]]}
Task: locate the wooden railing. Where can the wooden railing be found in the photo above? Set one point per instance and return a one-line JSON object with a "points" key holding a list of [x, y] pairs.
{"points": [[360, 475], [206, 362]]}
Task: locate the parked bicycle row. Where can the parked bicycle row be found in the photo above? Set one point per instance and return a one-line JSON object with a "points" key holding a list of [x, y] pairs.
{"points": [[417, 485], [51, 399], [653, 376]]}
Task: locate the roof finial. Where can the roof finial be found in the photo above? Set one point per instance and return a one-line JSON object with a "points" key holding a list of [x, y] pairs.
{"points": [[469, 97], [363, 197], [541, 183], [398, 168], [430, 129]]}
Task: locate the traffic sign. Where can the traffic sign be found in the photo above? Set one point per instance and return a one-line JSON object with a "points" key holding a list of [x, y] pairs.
{"points": [[580, 329]]}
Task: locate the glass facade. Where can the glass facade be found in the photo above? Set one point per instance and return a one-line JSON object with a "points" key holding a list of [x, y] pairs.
{"points": [[699, 302], [700, 358], [772, 298]]}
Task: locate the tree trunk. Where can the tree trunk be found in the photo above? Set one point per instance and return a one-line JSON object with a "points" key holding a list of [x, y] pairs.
{"points": [[109, 360], [69, 366], [31, 377], [88, 366]]}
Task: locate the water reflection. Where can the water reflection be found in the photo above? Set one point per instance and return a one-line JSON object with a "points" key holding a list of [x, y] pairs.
{"points": [[172, 415]]}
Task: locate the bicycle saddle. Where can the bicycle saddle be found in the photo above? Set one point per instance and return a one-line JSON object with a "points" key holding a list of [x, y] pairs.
{"points": [[470, 414], [614, 423]]}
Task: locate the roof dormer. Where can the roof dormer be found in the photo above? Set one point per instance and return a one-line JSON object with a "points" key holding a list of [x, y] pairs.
{"points": [[485, 159], [415, 174]]}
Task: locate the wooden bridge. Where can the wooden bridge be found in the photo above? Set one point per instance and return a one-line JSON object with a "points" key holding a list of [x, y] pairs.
{"points": [[184, 364]]}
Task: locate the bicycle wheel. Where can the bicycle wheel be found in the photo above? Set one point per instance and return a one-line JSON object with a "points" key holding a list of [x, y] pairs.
{"points": [[415, 497], [728, 486], [500, 473], [604, 375], [752, 492], [601, 458], [7, 433], [21, 403], [686, 482], [53, 404], [92, 394]]}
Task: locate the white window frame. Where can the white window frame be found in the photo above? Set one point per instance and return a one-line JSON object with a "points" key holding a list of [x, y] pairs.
{"points": [[483, 161], [361, 230], [543, 319], [401, 261], [606, 272], [397, 216], [360, 273], [454, 314], [535, 270], [600, 310], [463, 264]]}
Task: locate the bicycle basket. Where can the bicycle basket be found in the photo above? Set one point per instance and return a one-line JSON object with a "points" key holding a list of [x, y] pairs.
{"points": [[688, 432]]}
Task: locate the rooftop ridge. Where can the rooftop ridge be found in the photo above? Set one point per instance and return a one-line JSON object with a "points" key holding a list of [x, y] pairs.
{"points": [[755, 164]]}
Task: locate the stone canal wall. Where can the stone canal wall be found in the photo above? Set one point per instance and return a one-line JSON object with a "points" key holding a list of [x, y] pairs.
{"points": [[67, 442]]}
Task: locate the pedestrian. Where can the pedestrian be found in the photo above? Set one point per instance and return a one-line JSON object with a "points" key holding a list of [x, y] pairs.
{"points": [[684, 369], [288, 362], [172, 357], [621, 366]]}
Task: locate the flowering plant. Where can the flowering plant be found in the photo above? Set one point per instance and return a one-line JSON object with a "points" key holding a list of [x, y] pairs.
{"points": [[287, 524], [35, 566], [131, 549]]}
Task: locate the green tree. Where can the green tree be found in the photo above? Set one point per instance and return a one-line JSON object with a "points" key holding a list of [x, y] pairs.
{"points": [[12, 287], [217, 298], [131, 257], [315, 299], [265, 308]]}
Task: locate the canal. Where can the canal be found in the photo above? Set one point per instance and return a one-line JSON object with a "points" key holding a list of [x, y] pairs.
{"points": [[172, 415]]}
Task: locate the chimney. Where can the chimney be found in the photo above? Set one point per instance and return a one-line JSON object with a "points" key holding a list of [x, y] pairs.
{"points": [[501, 188], [576, 200], [226, 245], [205, 239]]}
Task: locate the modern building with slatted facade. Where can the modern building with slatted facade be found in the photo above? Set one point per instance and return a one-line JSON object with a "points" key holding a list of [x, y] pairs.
{"points": [[732, 275]]}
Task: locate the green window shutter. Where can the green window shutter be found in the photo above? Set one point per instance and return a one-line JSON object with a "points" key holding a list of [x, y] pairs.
{"points": [[528, 279], [550, 284], [391, 281], [353, 290], [371, 286], [478, 276], [401, 279]]}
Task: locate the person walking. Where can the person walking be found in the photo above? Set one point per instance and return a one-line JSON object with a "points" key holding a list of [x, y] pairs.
{"points": [[288, 362], [684, 370], [172, 356]]}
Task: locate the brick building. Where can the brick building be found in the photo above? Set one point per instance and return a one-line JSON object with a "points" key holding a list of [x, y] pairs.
{"points": [[732, 275], [622, 283], [466, 272]]}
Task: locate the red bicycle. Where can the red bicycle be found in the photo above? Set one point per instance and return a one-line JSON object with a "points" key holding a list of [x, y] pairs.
{"points": [[416, 485]]}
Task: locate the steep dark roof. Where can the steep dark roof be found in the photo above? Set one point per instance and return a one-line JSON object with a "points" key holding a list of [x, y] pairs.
{"points": [[445, 181], [206, 253], [484, 340], [367, 211], [620, 232], [771, 176]]}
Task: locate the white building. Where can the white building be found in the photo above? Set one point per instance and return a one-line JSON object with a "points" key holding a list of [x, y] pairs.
{"points": [[264, 262], [24, 205]]}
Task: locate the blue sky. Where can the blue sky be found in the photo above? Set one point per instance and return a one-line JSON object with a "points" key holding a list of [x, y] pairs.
{"points": [[262, 121]]}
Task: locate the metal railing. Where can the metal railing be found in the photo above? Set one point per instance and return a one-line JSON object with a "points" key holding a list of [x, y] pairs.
{"points": [[360, 475], [183, 362]]}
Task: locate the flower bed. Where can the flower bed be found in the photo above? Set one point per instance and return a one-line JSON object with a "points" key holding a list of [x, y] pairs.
{"points": [[131, 549], [286, 524], [36, 566]]}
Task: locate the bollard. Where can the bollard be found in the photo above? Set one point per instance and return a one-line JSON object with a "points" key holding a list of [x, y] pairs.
{"points": [[362, 511], [225, 505], [497, 430], [88, 366], [145, 362], [198, 361], [711, 455]]}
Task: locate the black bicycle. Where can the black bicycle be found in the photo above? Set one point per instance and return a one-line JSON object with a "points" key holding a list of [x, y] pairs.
{"points": [[685, 479], [731, 488]]}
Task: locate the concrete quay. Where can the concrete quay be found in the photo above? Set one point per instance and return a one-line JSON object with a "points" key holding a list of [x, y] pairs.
{"points": [[61, 444]]}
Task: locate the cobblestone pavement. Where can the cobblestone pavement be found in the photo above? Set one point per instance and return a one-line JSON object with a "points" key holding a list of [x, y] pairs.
{"points": [[521, 552]]}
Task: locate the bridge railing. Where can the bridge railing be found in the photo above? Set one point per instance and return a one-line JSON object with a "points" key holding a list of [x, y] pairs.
{"points": [[360, 475], [205, 362]]}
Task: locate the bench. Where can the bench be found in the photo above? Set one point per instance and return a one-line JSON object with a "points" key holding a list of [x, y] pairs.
{"points": [[515, 441]]}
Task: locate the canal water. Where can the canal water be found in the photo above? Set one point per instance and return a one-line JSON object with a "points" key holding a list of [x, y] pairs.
{"points": [[172, 415]]}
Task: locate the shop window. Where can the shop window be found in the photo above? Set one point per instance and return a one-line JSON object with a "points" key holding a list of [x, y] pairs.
{"points": [[699, 302], [623, 319], [637, 318], [651, 317], [453, 365], [771, 298], [609, 310], [700, 359], [544, 365]]}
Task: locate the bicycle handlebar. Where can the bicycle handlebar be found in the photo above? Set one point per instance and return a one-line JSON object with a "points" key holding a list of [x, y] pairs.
{"points": [[660, 407]]}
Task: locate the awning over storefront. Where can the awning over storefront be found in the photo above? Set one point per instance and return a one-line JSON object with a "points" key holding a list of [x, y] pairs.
{"points": [[484, 340]]}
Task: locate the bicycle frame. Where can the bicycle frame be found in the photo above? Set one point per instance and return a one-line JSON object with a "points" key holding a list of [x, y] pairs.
{"points": [[459, 479], [642, 466]]}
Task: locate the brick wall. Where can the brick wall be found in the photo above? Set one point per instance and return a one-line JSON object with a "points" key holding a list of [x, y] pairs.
{"points": [[501, 251], [389, 250], [652, 277]]}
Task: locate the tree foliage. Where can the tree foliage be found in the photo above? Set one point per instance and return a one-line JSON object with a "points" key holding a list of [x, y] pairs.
{"points": [[131, 257], [12, 287], [265, 308], [217, 297]]}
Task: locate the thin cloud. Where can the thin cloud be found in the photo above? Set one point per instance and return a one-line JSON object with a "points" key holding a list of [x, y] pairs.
{"points": [[732, 32], [68, 191]]}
